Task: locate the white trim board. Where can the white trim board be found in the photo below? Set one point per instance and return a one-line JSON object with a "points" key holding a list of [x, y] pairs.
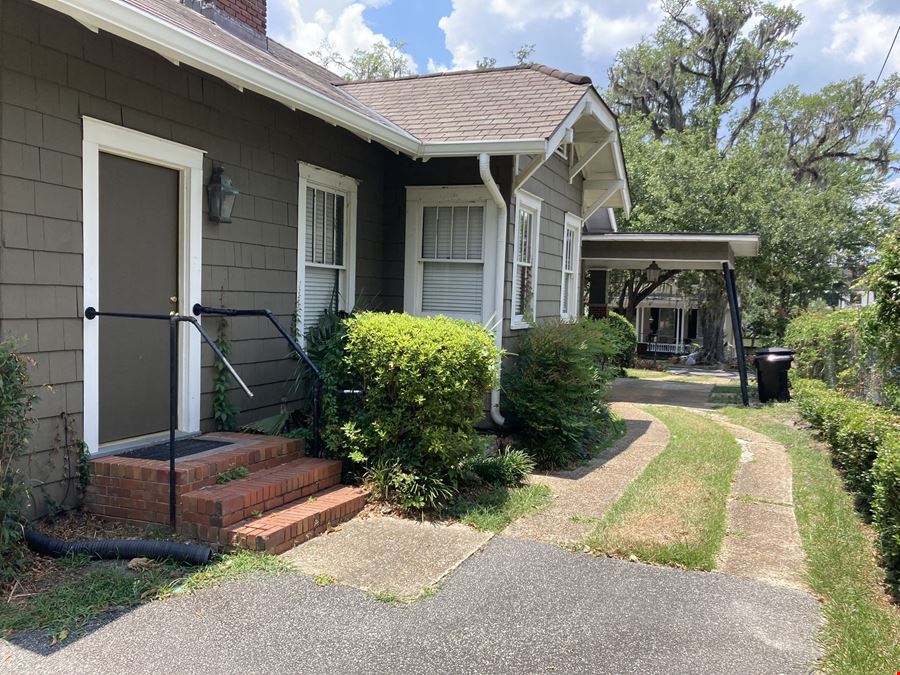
{"points": [[112, 139], [417, 198], [317, 177], [528, 202]]}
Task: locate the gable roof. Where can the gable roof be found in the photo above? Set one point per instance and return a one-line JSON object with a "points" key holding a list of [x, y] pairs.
{"points": [[518, 102], [520, 110]]}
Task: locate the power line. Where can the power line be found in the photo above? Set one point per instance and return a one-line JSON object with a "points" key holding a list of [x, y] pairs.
{"points": [[888, 55]]}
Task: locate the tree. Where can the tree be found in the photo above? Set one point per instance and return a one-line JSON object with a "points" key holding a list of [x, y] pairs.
{"points": [[384, 60], [522, 55], [706, 152]]}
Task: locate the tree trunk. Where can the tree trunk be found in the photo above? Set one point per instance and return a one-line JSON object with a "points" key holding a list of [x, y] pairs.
{"points": [[713, 305]]}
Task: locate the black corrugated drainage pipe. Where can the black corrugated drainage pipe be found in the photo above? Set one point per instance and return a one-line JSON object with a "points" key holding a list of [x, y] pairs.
{"points": [[105, 549]]}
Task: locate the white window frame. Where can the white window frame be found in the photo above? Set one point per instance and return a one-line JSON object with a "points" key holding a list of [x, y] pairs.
{"points": [[525, 202], [572, 224], [417, 199], [316, 177], [104, 137]]}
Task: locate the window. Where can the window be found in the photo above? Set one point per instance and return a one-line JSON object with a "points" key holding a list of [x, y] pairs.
{"points": [[449, 252], [452, 264], [327, 220], [569, 301], [525, 254]]}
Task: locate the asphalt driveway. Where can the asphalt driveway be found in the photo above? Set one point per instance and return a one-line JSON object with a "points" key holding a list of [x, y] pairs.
{"points": [[665, 392], [517, 607]]}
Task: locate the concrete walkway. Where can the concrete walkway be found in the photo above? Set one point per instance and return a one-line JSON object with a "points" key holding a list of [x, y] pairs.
{"points": [[518, 607], [583, 495], [398, 556], [762, 539]]}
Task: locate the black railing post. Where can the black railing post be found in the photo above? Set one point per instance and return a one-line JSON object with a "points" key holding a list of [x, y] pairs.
{"points": [[737, 329], [200, 310], [91, 313], [173, 416]]}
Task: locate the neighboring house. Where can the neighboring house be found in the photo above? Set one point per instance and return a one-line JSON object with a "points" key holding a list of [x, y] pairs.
{"points": [[461, 194]]}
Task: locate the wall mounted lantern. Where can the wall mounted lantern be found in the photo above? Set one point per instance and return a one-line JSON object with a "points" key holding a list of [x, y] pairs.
{"points": [[222, 195], [652, 272]]}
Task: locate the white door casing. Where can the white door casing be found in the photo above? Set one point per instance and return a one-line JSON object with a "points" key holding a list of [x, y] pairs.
{"points": [[103, 137]]}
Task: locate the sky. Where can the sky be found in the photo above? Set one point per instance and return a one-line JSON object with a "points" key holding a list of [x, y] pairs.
{"points": [[838, 38]]}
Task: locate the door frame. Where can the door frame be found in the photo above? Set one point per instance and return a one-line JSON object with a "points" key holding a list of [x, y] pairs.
{"points": [[99, 136]]}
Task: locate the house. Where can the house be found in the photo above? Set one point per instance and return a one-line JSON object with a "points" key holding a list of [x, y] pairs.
{"points": [[462, 194]]}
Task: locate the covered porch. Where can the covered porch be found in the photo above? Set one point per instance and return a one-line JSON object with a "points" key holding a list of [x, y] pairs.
{"points": [[657, 252]]}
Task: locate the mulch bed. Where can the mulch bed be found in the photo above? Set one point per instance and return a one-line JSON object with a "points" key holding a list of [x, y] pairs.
{"points": [[39, 572]]}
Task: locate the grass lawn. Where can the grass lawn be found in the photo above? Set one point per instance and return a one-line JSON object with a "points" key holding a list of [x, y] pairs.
{"points": [[674, 513], [647, 374], [106, 585], [493, 509], [862, 633]]}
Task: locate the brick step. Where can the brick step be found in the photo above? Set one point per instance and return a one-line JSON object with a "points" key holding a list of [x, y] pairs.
{"points": [[225, 504], [292, 524], [137, 490]]}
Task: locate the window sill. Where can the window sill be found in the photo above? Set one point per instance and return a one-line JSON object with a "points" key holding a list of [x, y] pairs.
{"points": [[519, 325]]}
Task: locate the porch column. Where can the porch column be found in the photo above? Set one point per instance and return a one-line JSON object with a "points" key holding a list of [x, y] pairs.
{"points": [[597, 300], [736, 329]]}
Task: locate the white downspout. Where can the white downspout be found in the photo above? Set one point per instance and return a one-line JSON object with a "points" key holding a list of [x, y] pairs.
{"points": [[484, 168]]}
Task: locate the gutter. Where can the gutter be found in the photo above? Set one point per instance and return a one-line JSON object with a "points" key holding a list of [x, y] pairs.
{"points": [[484, 168]]}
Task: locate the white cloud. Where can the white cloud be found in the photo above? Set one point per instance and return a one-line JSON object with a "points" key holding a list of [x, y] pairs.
{"points": [[433, 67], [862, 35], [341, 22], [573, 34]]}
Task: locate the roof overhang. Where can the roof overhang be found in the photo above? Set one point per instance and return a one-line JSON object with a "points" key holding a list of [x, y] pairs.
{"points": [[673, 251], [182, 47], [593, 132]]}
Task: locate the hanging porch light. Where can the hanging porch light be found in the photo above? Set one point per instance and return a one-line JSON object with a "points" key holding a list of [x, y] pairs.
{"points": [[652, 272], [222, 195]]}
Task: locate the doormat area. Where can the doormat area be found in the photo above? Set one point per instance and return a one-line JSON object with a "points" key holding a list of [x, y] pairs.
{"points": [[184, 447]]}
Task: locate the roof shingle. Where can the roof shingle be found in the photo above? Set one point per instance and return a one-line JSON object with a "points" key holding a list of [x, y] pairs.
{"points": [[518, 102], [513, 103]]}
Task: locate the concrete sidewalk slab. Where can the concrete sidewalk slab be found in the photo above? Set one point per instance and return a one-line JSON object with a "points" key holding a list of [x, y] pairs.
{"points": [[386, 554], [583, 495], [762, 540]]}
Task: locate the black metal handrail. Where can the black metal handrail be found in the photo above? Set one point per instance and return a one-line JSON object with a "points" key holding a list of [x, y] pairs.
{"points": [[91, 313], [200, 310]]}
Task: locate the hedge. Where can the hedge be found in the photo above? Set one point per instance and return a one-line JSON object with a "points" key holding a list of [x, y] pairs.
{"points": [[554, 387], [15, 428], [865, 445], [857, 350], [425, 382], [624, 338]]}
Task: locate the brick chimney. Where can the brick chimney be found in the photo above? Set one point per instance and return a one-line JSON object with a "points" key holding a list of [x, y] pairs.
{"points": [[251, 13]]}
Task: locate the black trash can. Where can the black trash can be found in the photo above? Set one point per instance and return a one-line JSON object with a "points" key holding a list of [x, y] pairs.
{"points": [[772, 365]]}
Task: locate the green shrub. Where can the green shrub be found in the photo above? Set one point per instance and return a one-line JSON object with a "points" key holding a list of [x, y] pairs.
{"points": [[508, 467], [854, 429], [825, 343], [624, 339], [554, 391], [865, 447], [325, 344], [886, 505], [425, 382], [15, 424]]}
